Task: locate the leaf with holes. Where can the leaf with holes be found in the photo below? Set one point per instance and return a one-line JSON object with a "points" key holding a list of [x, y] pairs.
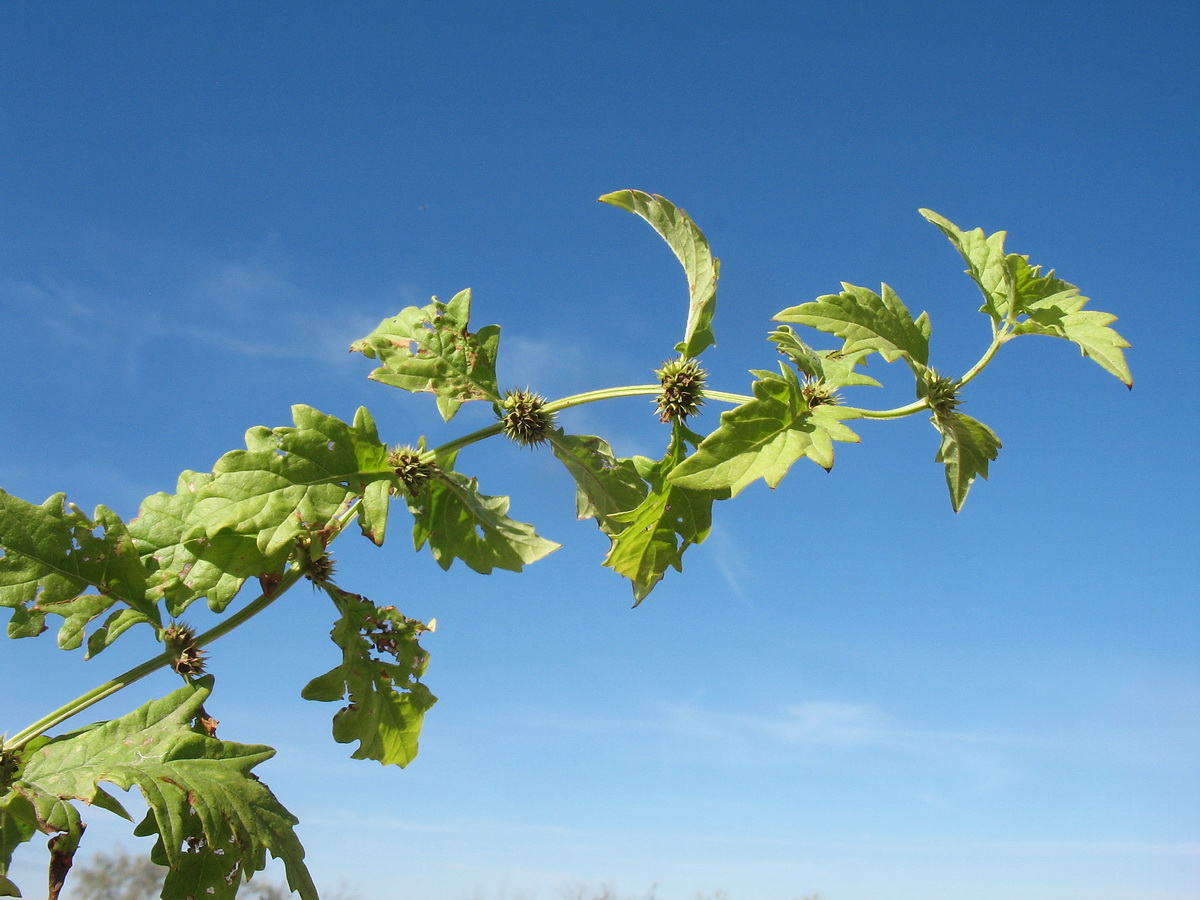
{"points": [[290, 481], [52, 553], [382, 664], [428, 349]]}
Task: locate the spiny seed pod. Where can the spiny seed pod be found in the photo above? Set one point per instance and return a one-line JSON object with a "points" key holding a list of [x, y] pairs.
{"points": [[682, 389], [817, 392], [314, 561], [940, 390], [412, 471], [180, 640], [524, 418]]}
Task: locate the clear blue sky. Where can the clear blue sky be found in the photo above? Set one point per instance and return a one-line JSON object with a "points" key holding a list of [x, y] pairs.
{"points": [[849, 690]]}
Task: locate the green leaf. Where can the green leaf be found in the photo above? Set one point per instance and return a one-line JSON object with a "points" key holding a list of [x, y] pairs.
{"points": [[967, 448], [290, 481], [1055, 307], [180, 570], [835, 367], [865, 320], [669, 520], [204, 802], [691, 249], [53, 553], [387, 701], [17, 825], [428, 349], [604, 485], [763, 437], [458, 522], [986, 262]]}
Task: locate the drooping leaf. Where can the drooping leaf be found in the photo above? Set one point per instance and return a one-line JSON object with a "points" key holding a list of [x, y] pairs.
{"points": [[604, 485], [382, 664], [669, 520], [967, 447], [1055, 307], [986, 262], [17, 825], [866, 320], [763, 437], [290, 481], [52, 553], [428, 349], [204, 802], [690, 246], [458, 522]]}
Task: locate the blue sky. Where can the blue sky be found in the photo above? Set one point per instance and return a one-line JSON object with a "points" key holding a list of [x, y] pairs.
{"points": [[849, 690]]}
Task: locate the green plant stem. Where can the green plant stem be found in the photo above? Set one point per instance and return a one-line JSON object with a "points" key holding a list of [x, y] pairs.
{"points": [[124, 680], [1000, 337]]}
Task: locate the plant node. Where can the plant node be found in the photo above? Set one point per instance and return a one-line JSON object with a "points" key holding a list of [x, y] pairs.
{"points": [[941, 392], [524, 417], [412, 471], [314, 561], [817, 392], [180, 640], [682, 389]]}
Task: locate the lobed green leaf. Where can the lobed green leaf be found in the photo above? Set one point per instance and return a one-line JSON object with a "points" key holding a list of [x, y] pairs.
{"points": [[214, 819], [387, 701], [690, 247], [670, 519], [428, 349], [967, 447], [986, 262], [182, 570], [458, 522], [52, 553], [763, 437], [291, 481], [604, 485], [866, 321], [835, 367], [1055, 307]]}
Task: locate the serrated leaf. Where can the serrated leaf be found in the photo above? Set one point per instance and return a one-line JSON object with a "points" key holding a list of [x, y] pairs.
{"points": [[866, 320], [763, 437], [202, 796], [987, 263], [52, 553], [1055, 307], [428, 349], [690, 247], [604, 485], [967, 447], [835, 367], [458, 522], [669, 520], [288, 481], [387, 701]]}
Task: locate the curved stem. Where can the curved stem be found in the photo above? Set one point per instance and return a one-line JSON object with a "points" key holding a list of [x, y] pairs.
{"points": [[124, 680], [898, 413], [1000, 337]]}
